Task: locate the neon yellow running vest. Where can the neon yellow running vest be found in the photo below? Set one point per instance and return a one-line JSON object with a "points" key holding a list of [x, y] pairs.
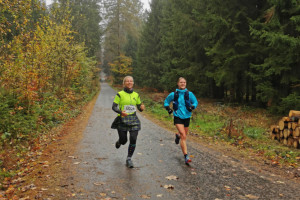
{"points": [[127, 100]]}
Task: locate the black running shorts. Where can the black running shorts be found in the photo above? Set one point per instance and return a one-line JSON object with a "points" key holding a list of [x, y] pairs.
{"points": [[185, 122]]}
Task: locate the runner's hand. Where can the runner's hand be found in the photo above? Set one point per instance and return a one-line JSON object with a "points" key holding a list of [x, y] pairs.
{"points": [[170, 111], [142, 107], [124, 114], [190, 109]]}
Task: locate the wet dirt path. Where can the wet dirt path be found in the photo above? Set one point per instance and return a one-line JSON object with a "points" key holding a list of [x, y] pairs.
{"points": [[100, 171]]}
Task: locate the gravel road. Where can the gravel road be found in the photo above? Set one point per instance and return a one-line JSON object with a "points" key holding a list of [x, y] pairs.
{"points": [[160, 172]]}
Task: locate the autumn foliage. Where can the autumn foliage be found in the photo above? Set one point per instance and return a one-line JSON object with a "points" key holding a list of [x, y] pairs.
{"points": [[121, 67], [44, 73]]}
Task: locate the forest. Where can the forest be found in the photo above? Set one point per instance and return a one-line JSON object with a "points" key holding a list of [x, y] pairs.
{"points": [[244, 52], [233, 51]]}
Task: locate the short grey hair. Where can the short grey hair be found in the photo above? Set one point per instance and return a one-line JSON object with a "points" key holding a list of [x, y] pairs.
{"points": [[126, 77]]}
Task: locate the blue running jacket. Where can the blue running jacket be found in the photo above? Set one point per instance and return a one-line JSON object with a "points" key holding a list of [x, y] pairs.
{"points": [[182, 112]]}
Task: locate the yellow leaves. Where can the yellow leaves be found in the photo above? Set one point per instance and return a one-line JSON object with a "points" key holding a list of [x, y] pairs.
{"points": [[10, 190], [20, 108], [121, 67]]}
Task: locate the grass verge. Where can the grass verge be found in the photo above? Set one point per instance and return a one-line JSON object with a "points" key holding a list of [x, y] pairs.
{"points": [[213, 122]]}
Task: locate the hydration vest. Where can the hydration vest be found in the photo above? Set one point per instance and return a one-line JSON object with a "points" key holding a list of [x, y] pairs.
{"points": [[186, 100]]}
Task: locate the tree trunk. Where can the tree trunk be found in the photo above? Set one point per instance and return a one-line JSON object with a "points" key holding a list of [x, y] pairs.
{"points": [[281, 134], [253, 93], [247, 90], [296, 143], [294, 125], [290, 132], [294, 113], [286, 133], [273, 136], [296, 132], [274, 128], [283, 123], [281, 140], [290, 141]]}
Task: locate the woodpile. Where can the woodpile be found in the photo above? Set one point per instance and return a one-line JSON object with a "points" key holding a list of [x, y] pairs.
{"points": [[288, 130]]}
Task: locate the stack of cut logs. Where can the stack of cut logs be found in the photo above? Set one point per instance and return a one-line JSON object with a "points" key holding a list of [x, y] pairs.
{"points": [[288, 130]]}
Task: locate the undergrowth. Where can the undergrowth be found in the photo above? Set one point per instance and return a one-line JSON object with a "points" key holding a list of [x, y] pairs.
{"points": [[211, 121]]}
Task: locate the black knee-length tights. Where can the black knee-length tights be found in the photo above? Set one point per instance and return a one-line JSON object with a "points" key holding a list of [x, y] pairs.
{"points": [[123, 137]]}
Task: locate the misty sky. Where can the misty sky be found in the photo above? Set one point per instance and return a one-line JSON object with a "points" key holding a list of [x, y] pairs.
{"points": [[145, 2]]}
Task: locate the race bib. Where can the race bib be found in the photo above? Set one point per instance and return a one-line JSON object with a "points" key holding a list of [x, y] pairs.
{"points": [[129, 108]]}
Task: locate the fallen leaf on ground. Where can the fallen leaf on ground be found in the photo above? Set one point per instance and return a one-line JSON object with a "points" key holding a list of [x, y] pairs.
{"points": [[159, 195], [194, 173], [10, 190], [76, 163], [25, 198], [31, 186], [102, 194], [172, 177], [144, 196], [169, 187], [71, 195], [250, 196], [280, 182], [99, 183], [227, 187]]}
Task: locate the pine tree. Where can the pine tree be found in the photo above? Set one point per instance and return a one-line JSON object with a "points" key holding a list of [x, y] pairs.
{"points": [[148, 71], [123, 19], [277, 34]]}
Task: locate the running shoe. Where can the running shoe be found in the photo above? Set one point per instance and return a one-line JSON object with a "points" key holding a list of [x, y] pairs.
{"points": [[118, 144], [129, 163], [187, 159], [177, 138]]}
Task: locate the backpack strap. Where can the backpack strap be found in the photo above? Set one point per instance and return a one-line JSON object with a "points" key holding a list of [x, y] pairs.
{"points": [[176, 95], [186, 100], [175, 101], [186, 95]]}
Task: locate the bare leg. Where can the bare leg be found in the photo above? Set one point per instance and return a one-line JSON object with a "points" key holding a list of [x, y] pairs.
{"points": [[182, 131], [186, 130]]}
